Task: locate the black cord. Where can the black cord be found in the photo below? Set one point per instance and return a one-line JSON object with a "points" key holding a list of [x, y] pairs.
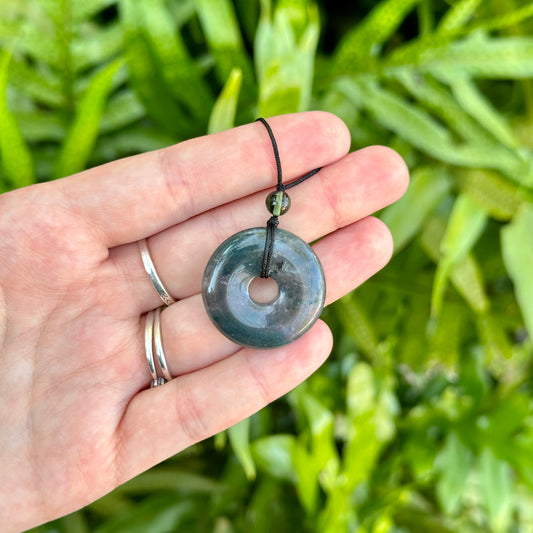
{"points": [[273, 222]]}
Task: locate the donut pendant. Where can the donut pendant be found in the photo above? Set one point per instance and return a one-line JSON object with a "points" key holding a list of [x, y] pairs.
{"points": [[237, 262]]}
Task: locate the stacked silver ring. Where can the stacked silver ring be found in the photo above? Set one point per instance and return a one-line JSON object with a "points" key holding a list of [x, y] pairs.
{"points": [[152, 328], [152, 338]]}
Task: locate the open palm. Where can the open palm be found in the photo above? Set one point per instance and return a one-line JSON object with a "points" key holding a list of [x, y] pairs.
{"points": [[77, 416]]}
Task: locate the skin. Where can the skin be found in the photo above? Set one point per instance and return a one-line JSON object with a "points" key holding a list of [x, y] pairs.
{"points": [[77, 417]]}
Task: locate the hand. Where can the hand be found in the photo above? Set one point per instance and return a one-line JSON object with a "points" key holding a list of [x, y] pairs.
{"points": [[77, 417]]}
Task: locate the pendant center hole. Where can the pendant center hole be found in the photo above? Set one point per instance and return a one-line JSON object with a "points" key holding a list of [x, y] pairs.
{"points": [[263, 290]]}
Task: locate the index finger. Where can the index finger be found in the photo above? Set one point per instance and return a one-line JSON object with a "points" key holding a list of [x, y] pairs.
{"points": [[138, 196]]}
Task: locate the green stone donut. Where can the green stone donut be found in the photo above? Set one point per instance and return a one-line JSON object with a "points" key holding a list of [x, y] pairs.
{"points": [[237, 262]]}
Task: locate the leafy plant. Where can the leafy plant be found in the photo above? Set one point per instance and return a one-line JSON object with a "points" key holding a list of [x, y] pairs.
{"points": [[420, 420]]}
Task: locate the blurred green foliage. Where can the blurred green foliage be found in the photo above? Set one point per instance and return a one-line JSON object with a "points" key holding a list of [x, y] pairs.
{"points": [[421, 419]]}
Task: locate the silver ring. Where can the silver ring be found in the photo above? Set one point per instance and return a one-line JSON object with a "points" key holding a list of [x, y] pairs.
{"points": [[158, 343], [152, 337], [148, 346], [152, 273]]}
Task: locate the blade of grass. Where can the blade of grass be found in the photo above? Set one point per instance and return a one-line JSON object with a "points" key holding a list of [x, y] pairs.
{"points": [[454, 463], [221, 28], [505, 19], [180, 72], [481, 57], [465, 275], [366, 39], [97, 47], [358, 325], [17, 160], [427, 187], [83, 132], [458, 15], [153, 515], [470, 98], [146, 78], [497, 488], [497, 196], [517, 250], [223, 112], [285, 47], [168, 478], [420, 129], [122, 110], [239, 437], [465, 225], [272, 454]]}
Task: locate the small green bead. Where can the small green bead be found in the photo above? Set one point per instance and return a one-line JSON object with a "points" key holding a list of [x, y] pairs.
{"points": [[278, 203]]}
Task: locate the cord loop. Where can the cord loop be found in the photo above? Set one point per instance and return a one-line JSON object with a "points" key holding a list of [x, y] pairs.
{"points": [[273, 222]]}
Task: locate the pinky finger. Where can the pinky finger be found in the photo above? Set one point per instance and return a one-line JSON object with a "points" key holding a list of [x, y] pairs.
{"points": [[161, 422]]}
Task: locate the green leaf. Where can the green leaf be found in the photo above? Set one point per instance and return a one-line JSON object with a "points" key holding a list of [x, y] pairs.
{"points": [[98, 47], [494, 194], [494, 338], [273, 454], [321, 424], [453, 463], [122, 109], [223, 112], [224, 38], [239, 437], [421, 130], [323, 458], [40, 125], [477, 105], [445, 343], [466, 224], [436, 97], [458, 15], [42, 86], [164, 478], [465, 275], [154, 515], [17, 161], [367, 38], [360, 391], [181, 74], [363, 445], [517, 250], [83, 132], [146, 76], [497, 489], [511, 18], [306, 477], [357, 324], [509, 416], [284, 56], [75, 523], [481, 57], [427, 187], [409, 121], [130, 141]]}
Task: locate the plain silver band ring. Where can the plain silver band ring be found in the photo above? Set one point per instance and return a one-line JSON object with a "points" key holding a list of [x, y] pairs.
{"points": [[152, 273], [158, 343], [148, 346]]}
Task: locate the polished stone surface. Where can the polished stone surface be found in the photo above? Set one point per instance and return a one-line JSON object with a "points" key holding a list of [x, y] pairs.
{"points": [[231, 269], [278, 202]]}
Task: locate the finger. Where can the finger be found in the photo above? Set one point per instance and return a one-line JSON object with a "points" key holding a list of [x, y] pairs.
{"points": [[129, 199], [341, 193], [349, 257], [160, 422]]}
